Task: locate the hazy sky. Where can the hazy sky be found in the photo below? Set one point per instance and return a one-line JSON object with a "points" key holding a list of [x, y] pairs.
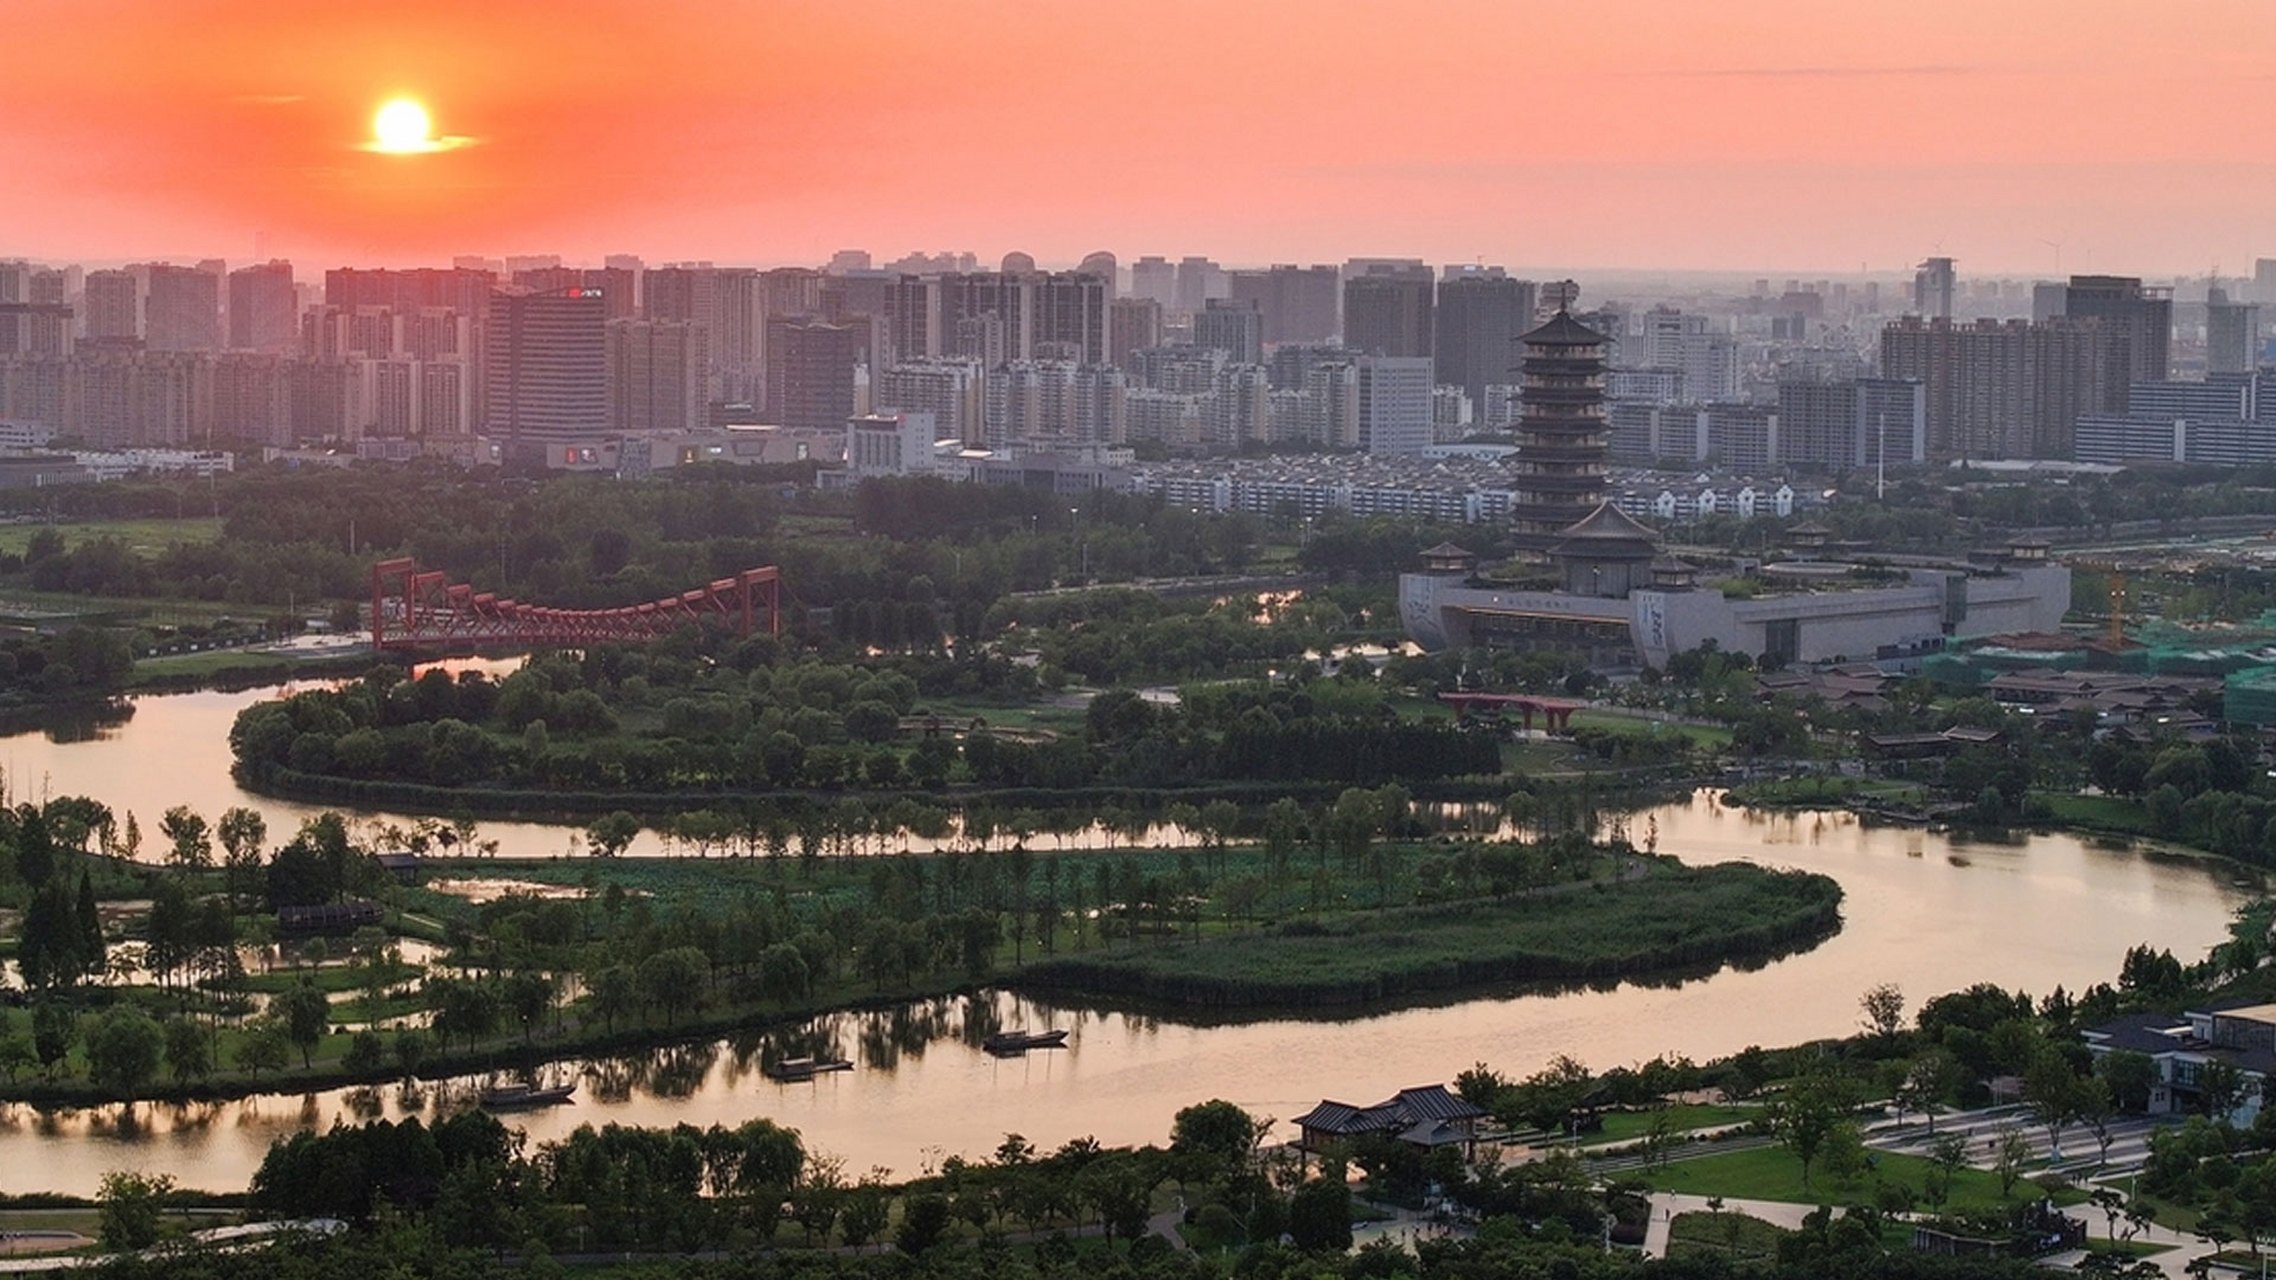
{"points": [[1772, 134]]}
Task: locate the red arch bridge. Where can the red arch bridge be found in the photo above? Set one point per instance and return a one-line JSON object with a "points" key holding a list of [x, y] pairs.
{"points": [[415, 608], [1556, 713]]}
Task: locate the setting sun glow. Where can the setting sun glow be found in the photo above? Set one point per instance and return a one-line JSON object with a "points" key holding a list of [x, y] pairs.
{"points": [[402, 127]]}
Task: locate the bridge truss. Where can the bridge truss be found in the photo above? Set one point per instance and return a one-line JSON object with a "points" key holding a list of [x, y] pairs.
{"points": [[415, 608]]}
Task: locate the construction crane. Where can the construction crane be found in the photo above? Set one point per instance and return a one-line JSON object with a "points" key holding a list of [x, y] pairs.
{"points": [[2115, 579]]}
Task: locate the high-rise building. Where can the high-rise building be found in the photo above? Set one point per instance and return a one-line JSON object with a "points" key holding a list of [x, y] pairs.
{"points": [[1133, 325], [1232, 326], [1388, 313], [1561, 437], [264, 309], [183, 309], [1481, 316], [1155, 278], [1299, 303], [812, 370], [1394, 394], [988, 314], [657, 371], [1050, 402], [35, 329], [2008, 389], [1705, 361], [252, 397], [1071, 317], [545, 373], [1103, 265], [1852, 423], [615, 284], [1932, 288], [2264, 281], [2232, 334], [459, 289], [2143, 315], [1199, 280], [728, 302], [952, 389]]}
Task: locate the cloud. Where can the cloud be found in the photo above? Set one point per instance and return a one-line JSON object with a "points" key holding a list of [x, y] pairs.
{"points": [[1805, 73], [425, 147]]}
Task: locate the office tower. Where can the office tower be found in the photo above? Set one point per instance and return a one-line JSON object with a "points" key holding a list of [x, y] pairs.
{"points": [[1070, 317], [1561, 442], [1155, 279], [183, 310], [2227, 420], [2232, 334], [2048, 298], [1198, 280], [953, 390], [2007, 389], [845, 261], [1298, 303], [657, 372], [1394, 396], [812, 368], [1133, 325], [545, 374], [264, 310], [1388, 313], [615, 284], [2144, 316], [1481, 316], [1932, 289], [1233, 327]]}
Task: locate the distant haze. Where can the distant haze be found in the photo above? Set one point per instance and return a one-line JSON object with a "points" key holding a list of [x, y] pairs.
{"points": [[1771, 134]]}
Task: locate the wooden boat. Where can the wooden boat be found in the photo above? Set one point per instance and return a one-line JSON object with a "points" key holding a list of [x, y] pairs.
{"points": [[1006, 1043], [522, 1097], [795, 1069]]}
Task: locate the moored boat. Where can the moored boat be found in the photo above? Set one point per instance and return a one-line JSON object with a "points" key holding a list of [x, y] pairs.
{"points": [[521, 1097], [1007, 1043], [795, 1069]]}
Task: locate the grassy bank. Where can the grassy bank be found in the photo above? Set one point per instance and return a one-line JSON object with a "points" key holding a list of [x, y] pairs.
{"points": [[1673, 920]]}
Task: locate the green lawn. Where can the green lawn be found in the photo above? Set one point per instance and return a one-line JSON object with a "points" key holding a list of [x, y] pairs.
{"points": [[1772, 1173], [1628, 1126], [1733, 1235], [143, 537], [1825, 790], [1706, 737], [2099, 813]]}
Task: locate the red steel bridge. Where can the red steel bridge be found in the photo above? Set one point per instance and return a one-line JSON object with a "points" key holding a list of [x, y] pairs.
{"points": [[415, 608]]}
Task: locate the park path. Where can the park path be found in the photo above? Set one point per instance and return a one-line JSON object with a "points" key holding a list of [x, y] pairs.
{"points": [[1667, 1204]]}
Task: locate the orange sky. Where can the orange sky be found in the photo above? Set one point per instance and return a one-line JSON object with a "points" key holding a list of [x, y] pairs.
{"points": [[1649, 133]]}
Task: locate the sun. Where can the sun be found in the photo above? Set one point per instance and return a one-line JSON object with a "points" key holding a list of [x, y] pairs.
{"points": [[402, 127]]}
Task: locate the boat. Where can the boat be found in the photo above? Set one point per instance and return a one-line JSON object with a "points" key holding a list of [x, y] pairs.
{"points": [[1004, 1044], [522, 1097], [795, 1069]]}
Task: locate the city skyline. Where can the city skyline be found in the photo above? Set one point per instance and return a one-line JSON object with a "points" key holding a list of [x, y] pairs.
{"points": [[1765, 136]]}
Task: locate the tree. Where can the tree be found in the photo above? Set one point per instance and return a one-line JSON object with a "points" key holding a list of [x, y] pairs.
{"points": [[189, 841], [2053, 1094], [1319, 1215], [123, 1050], [189, 1050], [54, 1029], [611, 834], [2010, 1152], [306, 1015], [244, 834], [1805, 1115], [1884, 1009], [1947, 1155], [410, 1051], [615, 991], [1930, 1077], [923, 1220], [264, 1047], [1217, 1134], [16, 1053], [674, 978], [130, 1208], [367, 1053]]}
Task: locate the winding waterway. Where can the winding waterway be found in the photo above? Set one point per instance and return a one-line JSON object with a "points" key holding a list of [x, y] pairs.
{"points": [[1924, 910]]}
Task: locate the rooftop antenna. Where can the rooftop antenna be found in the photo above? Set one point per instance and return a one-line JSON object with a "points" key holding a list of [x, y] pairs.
{"points": [[2057, 246]]}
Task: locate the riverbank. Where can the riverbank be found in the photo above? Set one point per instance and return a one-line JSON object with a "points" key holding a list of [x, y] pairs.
{"points": [[1668, 921]]}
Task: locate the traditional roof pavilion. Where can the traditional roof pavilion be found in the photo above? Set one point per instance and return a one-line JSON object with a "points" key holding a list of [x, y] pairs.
{"points": [[1606, 554]]}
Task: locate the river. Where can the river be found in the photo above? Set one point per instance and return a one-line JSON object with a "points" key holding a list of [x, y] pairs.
{"points": [[1927, 911]]}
